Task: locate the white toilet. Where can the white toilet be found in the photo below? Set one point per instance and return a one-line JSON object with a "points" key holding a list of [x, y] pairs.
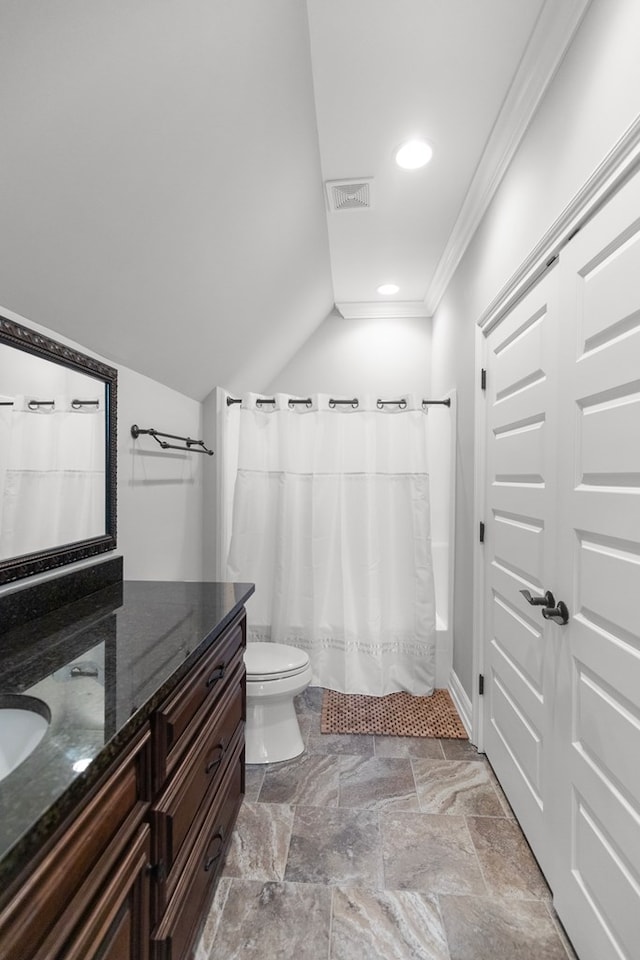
{"points": [[276, 673]]}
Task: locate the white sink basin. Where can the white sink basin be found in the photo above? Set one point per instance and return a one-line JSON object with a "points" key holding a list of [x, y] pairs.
{"points": [[23, 724]]}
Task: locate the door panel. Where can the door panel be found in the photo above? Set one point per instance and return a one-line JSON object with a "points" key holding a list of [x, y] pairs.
{"points": [[602, 459], [608, 307], [596, 808], [520, 527], [513, 725], [606, 581], [518, 641], [517, 536], [602, 871], [519, 451]]}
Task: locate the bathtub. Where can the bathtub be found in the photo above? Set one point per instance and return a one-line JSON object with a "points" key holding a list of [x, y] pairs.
{"points": [[444, 648]]}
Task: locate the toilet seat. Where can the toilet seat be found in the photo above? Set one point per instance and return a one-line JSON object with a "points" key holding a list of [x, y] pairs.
{"points": [[273, 661]]}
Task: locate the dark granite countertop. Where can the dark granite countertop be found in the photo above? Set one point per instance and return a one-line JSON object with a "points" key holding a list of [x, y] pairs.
{"points": [[102, 664]]}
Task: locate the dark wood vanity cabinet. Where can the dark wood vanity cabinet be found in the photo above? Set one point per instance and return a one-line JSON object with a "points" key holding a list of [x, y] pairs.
{"points": [[88, 894], [132, 874], [199, 738]]}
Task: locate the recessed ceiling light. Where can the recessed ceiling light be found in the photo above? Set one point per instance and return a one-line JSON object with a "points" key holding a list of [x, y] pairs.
{"points": [[387, 289], [413, 154]]}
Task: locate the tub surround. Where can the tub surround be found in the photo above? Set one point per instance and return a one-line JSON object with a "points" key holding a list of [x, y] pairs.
{"points": [[104, 663]]}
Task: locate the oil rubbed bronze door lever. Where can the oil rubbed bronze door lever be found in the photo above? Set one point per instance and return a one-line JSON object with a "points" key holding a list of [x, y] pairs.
{"points": [[559, 614], [547, 600]]}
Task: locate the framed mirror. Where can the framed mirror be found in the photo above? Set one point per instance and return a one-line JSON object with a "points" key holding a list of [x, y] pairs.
{"points": [[57, 454]]}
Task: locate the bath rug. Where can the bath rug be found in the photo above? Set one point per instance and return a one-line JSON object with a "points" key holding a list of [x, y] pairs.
{"points": [[396, 715]]}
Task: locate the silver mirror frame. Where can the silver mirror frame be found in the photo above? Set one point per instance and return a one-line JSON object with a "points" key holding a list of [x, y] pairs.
{"points": [[22, 338]]}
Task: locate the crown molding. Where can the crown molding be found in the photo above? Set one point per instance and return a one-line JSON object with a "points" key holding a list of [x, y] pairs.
{"points": [[552, 34], [358, 310]]}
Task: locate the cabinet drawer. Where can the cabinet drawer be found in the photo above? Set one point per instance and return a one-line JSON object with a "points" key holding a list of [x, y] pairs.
{"points": [[180, 924], [203, 686], [198, 776], [67, 872]]}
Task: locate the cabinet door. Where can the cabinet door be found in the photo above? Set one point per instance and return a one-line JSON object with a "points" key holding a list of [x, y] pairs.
{"points": [[117, 927]]}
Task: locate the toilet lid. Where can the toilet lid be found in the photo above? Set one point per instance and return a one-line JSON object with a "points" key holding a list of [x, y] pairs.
{"points": [[264, 661]]}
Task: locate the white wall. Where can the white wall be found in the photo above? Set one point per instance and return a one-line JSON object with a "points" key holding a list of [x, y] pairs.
{"points": [[383, 356], [593, 99], [159, 492]]}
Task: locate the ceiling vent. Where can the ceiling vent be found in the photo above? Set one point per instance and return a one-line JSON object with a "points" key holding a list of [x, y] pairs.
{"points": [[349, 194]]}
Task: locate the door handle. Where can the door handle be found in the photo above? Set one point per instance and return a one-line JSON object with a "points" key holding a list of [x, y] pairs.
{"points": [[547, 600], [559, 614]]}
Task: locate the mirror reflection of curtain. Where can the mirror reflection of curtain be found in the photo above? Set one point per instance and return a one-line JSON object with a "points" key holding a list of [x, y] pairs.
{"points": [[51, 475], [331, 521]]}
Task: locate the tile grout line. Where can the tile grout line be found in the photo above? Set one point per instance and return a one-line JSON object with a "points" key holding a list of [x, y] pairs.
{"points": [[220, 912], [381, 872], [444, 929], [415, 786], [330, 951], [477, 856], [294, 807]]}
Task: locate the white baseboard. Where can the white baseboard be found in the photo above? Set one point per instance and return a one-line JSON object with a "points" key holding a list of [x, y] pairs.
{"points": [[462, 702]]}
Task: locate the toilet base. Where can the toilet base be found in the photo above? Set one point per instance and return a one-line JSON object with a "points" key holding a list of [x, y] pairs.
{"points": [[272, 733]]}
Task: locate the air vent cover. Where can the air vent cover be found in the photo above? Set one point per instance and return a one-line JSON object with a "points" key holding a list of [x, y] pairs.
{"points": [[349, 194]]}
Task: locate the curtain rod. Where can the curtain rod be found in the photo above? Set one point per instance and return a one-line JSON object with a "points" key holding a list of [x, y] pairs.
{"points": [[35, 404], [307, 401]]}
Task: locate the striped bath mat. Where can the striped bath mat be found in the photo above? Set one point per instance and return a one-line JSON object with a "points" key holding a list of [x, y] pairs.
{"points": [[396, 715]]}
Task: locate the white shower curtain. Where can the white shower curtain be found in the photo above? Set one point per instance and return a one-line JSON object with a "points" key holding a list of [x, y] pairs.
{"points": [[331, 521], [51, 474]]}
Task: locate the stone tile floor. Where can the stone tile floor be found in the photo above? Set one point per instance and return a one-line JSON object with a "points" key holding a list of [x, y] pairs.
{"points": [[379, 848]]}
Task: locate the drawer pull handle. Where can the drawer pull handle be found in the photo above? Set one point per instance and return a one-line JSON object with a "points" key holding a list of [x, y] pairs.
{"points": [[159, 870], [211, 861], [213, 764], [217, 674]]}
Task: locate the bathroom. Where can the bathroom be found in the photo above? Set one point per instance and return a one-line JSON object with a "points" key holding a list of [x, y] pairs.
{"points": [[115, 260]]}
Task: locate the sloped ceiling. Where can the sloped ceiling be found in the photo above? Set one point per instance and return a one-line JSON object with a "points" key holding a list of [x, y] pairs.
{"points": [[161, 197], [162, 165]]}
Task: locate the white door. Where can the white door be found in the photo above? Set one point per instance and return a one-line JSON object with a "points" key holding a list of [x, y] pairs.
{"points": [[520, 521], [562, 701], [596, 806]]}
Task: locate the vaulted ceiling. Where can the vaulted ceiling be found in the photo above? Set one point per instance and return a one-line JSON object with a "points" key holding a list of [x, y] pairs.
{"points": [[162, 197]]}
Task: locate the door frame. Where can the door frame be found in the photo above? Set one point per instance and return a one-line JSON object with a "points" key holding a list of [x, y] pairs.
{"points": [[622, 161]]}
